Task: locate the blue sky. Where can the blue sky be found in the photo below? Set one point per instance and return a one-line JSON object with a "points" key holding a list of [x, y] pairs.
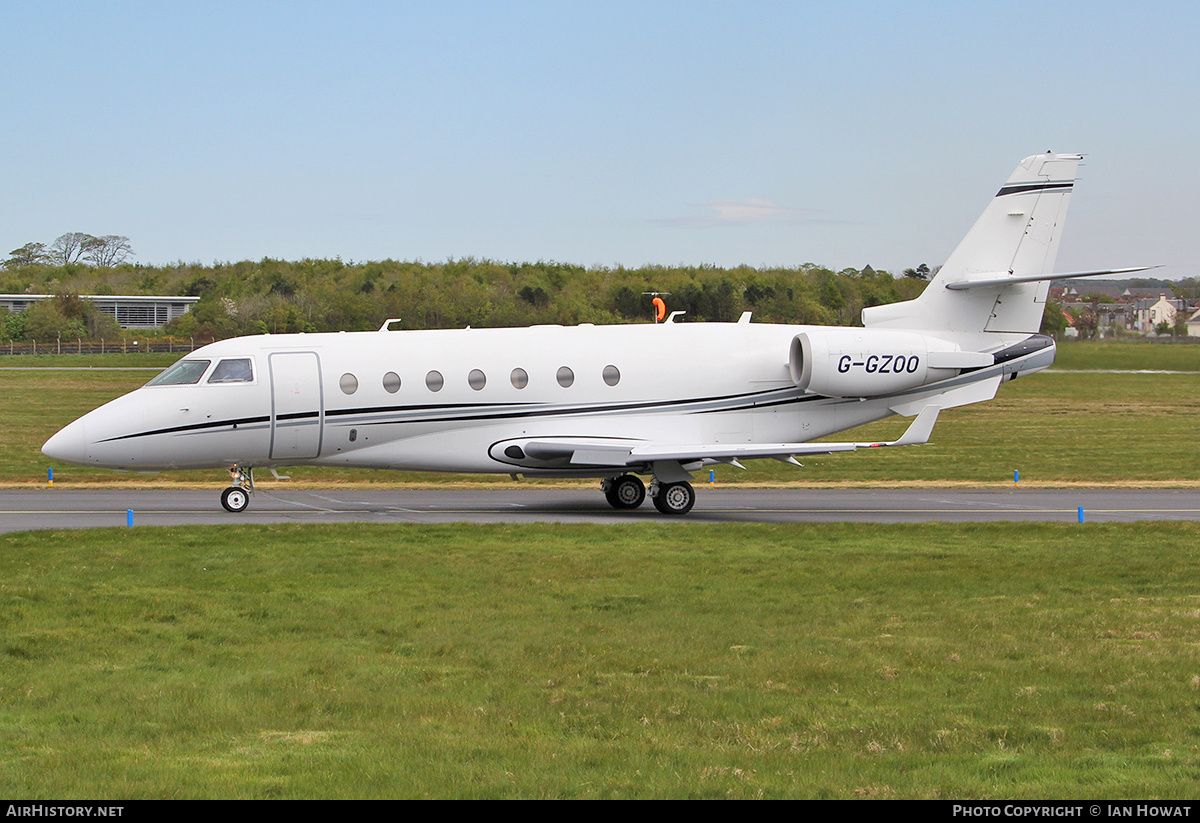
{"points": [[764, 133]]}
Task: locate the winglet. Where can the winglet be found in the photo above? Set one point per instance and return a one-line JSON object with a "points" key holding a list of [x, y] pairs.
{"points": [[919, 430]]}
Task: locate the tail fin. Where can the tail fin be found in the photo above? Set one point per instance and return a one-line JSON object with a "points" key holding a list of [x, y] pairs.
{"points": [[998, 277]]}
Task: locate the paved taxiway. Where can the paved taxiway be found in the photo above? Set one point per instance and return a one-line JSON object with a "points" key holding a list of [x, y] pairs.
{"points": [[67, 508]]}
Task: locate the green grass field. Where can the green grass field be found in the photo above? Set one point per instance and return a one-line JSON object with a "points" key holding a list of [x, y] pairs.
{"points": [[672, 660], [1137, 354]]}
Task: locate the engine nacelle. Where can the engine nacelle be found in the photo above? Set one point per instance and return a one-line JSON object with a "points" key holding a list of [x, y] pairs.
{"points": [[854, 362]]}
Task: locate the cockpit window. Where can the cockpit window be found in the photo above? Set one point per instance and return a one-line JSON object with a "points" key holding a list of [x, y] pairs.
{"points": [[183, 373], [233, 371]]}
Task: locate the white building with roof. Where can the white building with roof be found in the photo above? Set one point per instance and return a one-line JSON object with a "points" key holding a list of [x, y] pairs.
{"points": [[131, 311]]}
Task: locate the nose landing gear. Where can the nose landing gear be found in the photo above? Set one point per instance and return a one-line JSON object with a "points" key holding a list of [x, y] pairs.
{"points": [[236, 498]]}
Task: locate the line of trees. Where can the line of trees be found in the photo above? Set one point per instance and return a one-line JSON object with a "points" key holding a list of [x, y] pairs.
{"points": [[279, 296], [276, 296]]}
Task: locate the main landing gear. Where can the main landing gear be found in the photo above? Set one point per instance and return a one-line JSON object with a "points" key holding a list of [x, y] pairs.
{"points": [[237, 497], [624, 492], [628, 492], [673, 498]]}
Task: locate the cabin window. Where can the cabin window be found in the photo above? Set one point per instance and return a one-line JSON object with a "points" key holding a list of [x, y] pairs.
{"points": [[238, 370], [612, 376], [565, 377], [434, 381], [476, 379], [519, 378], [348, 383], [183, 373], [391, 382]]}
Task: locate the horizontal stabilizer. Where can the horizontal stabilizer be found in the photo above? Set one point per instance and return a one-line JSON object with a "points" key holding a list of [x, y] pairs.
{"points": [[993, 279]]}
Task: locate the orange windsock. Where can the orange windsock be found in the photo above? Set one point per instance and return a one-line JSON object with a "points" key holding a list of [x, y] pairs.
{"points": [[660, 309]]}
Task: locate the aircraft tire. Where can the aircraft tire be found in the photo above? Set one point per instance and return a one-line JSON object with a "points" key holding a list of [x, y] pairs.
{"points": [[235, 499], [625, 492], [675, 498]]}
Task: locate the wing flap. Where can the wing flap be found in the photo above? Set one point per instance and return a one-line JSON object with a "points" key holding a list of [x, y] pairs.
{"points": [[718, 451], [619, 453]]}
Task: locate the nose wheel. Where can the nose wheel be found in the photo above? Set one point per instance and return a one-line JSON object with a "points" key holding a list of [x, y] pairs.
{"points": [[236, 498]]}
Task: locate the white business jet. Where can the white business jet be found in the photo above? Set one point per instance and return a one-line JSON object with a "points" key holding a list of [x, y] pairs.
{"points": [[611, 402]]}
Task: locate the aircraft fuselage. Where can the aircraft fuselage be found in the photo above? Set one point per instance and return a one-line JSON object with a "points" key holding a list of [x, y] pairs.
{"points": [[441, 400]]}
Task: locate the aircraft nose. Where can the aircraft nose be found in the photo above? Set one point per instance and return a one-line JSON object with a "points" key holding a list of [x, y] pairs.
{"points": [[69, 445]]}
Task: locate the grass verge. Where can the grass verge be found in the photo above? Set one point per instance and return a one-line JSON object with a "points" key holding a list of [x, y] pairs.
{"points": [[669, 660]]}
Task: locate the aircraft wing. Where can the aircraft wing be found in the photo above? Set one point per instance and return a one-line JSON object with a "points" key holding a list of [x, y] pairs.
{"points": [[619, 453]]}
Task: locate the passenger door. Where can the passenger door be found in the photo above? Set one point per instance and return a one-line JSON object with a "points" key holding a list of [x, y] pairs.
{"points": [[297, 405]]}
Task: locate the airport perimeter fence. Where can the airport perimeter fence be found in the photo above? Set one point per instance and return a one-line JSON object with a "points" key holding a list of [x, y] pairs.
{"points": [[123, 346]]}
